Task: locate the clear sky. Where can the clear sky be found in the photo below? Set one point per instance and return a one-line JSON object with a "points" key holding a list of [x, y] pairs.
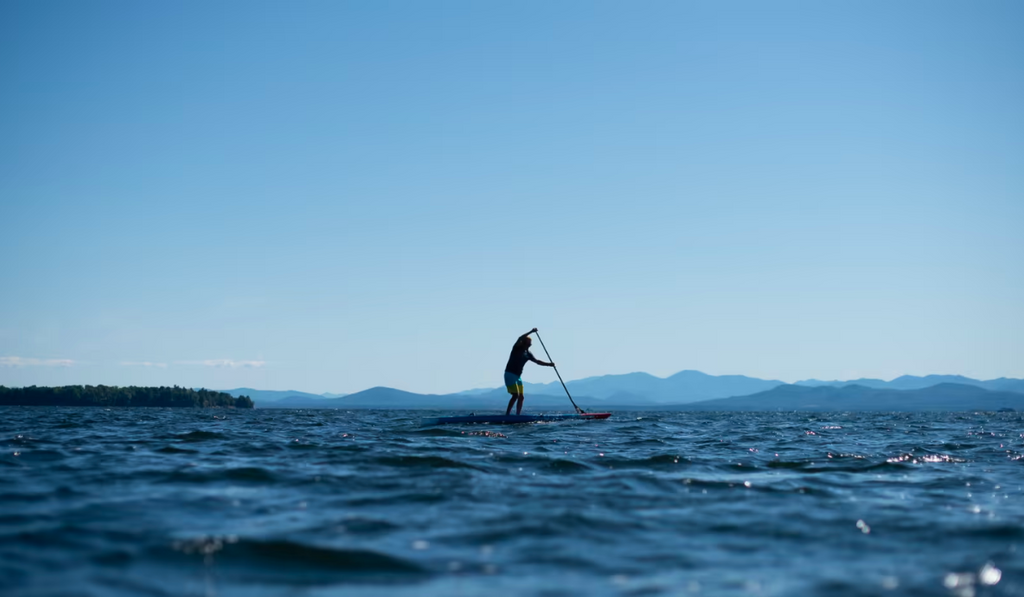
{"points": [[329, 196]]}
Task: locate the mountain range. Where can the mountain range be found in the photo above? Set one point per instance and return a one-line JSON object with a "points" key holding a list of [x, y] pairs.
{"points": [[281, 397], [683, 387], [686, 390], [940, 397], [912, 382]]}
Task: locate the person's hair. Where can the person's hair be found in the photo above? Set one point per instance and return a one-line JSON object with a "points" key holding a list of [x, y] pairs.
{"points": [[524, 341]]}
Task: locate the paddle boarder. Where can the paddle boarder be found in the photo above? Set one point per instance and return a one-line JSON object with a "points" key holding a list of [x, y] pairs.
{"points": [[514, 370]]}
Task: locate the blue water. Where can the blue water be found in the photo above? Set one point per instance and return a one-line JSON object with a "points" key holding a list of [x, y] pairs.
{"points": [[329, 502]]}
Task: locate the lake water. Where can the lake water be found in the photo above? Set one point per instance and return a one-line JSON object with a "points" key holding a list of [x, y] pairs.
{"points": [[333, 502]]}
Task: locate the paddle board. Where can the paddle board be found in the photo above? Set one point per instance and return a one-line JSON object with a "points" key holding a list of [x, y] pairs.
{"points": [[513, 419]]}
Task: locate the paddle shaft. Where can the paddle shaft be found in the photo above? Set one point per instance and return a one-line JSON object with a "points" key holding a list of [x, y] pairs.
{"points": [[552, 361]]}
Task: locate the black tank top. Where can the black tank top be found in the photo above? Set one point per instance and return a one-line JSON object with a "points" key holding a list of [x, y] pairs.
{"points": [[517, 360]]}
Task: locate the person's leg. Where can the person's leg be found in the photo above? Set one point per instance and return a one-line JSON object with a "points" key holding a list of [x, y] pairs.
{"points": [[519, 396], [511, 384], [514, 385]]}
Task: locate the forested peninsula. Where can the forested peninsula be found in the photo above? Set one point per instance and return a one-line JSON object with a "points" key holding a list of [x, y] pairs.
{"points": [[117, 396]]}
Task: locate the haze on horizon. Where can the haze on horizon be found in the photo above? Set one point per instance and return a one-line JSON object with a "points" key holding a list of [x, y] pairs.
{"points": [[330, 196]]}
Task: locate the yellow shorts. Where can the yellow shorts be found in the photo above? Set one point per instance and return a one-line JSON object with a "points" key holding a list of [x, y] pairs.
{"points": [[513, 383]]}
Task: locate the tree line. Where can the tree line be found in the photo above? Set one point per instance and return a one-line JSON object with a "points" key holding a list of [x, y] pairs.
{"points": [[118, 396]]}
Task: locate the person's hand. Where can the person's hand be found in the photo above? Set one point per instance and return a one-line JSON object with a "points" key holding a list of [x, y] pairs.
{"points": [[551, 364], [533, 330]]}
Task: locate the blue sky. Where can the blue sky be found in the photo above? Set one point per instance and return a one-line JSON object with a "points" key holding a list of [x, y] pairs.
{"points": [[330, 196]]}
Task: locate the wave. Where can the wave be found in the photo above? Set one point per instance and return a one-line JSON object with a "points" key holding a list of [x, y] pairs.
{"points": [[199, 436], [41, 455], [658, 461], [280, 561], [245, 474], [423, 462], [175, 450], [561, 465]]}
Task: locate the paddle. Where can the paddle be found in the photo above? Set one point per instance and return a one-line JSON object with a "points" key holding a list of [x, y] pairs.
{"points": [[550, 360]]}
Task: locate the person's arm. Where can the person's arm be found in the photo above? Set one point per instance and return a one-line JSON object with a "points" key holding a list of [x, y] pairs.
{"points": [[538, 361]]}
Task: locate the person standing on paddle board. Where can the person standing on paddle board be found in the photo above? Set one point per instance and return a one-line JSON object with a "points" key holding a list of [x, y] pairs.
{"points": [[514, 370]]}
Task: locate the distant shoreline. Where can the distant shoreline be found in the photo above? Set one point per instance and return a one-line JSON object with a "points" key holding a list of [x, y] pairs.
{"points": [[114, 396], [949, 397]]}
